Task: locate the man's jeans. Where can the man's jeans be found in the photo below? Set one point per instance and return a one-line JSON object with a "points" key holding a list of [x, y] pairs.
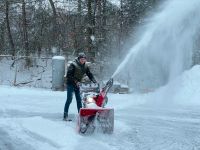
{"points": [[70, 89]]}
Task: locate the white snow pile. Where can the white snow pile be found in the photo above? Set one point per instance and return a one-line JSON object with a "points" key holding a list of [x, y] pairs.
{"points": [[183, 90], [14, 73]]}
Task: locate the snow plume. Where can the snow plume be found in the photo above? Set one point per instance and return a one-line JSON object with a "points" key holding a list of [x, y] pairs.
{"points": [[165, 48]]}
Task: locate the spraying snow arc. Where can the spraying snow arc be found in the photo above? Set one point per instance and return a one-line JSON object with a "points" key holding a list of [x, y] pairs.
{"points": [[165, 49]]}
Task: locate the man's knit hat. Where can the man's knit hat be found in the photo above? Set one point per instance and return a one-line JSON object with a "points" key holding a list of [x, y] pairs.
{"points": [[81, 55]]}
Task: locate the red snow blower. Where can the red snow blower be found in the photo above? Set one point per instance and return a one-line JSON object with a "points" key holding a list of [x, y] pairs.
{"points": [[94, 116]]}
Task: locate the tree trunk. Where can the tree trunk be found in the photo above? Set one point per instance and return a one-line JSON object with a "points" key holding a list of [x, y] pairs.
{"points": [[89, 22], [2, 37], [8, 29], [79, 7], [104, 28], [55, 28], [120, 30], [90, 31], [25, 34]]}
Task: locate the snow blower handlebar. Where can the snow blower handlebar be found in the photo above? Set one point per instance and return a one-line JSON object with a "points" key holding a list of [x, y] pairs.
{"points": [[108, 85], [101, 97]]}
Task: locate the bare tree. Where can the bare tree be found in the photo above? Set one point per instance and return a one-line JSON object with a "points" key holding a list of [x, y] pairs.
{"points": [[90, 30], [8, 28], [25, 33], [55, 24]]}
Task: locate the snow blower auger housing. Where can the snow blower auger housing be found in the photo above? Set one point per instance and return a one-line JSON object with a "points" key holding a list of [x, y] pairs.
{"points": [[94, 116]]}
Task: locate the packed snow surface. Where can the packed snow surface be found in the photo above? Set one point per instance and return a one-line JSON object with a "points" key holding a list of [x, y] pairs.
{"points": [[166, 119]]}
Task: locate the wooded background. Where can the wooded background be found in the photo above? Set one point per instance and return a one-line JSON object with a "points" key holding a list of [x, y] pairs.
{"points": [[45, 28]]}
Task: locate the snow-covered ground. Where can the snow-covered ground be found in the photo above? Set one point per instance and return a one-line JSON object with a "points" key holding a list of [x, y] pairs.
{"points": [[168, 118], [40, 75]]}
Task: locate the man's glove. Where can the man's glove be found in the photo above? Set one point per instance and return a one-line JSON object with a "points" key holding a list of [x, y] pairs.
{"points": [[94, 81], [77, 84]]}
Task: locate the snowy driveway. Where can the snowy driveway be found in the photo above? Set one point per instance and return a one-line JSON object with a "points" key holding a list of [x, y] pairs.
{"points": [[32, 119]]}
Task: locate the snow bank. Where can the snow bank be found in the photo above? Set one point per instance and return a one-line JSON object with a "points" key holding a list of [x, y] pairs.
{"points": [[183, 90], [40, 75], [189, 92]]}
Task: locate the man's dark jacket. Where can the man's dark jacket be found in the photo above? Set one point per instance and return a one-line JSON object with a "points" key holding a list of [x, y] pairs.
{"points": [[76, 72]]}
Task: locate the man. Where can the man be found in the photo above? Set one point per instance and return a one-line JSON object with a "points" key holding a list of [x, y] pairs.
{"points": [[75, 73]]}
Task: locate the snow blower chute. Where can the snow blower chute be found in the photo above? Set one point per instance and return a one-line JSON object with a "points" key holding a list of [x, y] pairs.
{"points": [[94, 116]]}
